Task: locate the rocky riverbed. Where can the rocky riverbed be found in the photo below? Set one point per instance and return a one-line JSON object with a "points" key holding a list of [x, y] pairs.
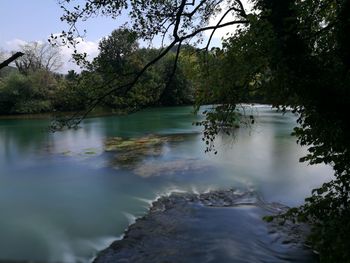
{"points": [[219, 226]]}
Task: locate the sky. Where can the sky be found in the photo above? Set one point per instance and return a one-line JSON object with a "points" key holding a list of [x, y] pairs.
{"points": [[23, 21]]}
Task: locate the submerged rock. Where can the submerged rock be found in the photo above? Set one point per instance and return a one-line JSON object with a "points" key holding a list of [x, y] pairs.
{"points": [[220, 226]]}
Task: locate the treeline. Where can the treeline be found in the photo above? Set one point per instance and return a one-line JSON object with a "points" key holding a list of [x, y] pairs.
{"points": [[34, 87], [31, 86]]}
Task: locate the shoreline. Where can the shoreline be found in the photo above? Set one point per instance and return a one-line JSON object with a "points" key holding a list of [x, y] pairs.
{"points": [[99, 112], [51, 115]]}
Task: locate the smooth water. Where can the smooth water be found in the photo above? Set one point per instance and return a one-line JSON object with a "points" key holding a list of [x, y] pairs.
{"points": [[63, 197]]}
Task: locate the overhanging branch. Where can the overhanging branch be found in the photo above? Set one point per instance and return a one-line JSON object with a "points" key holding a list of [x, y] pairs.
{"points": [[9, 60], [178, 38]]}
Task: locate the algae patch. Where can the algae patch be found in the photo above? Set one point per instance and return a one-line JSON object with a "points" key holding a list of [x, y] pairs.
{"points": [[143, 155], [132, 151]]}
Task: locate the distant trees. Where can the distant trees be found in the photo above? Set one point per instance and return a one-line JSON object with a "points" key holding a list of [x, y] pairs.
{"points": [[34, 86], [178, 87], [30, 87], [39, 56], [71, 94], [26, 93], [115, 51], [119, 61]]}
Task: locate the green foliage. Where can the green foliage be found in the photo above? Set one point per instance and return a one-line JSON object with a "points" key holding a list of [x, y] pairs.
{"points": [[310, 68], [295, 53], [222, 118], [4, 72], [116, 51], [14, 88], [268, 218], [177, 88], [31, 87], [70, 95], [119, 61], [32, 106], [26, 94]]}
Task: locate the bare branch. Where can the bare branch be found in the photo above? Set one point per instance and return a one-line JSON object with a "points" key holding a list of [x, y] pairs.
{"points": [[196, 32], [213, 32], [241, 10], [189, 15]]}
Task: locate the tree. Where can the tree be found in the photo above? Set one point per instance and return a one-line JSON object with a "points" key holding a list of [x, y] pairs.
{"points": [[30, 87], [119, 61], [115, 50], [72, 75], [26, 94], [295, 52], [313, 68], [39, 56], [177, 87]]}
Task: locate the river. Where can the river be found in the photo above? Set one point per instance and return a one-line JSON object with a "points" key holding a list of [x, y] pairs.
{"points": [[66, 195]]}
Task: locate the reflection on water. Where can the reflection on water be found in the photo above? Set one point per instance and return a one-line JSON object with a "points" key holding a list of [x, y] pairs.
{"points": [[63, 195]]}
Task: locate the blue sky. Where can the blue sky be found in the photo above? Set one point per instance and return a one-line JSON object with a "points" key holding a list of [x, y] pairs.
{"points": [[32, 20], [24, 21], [28, 20]]}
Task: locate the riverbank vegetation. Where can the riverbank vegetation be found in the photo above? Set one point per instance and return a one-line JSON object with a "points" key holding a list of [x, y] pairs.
{"points": [[295, 53], [34, 86]]}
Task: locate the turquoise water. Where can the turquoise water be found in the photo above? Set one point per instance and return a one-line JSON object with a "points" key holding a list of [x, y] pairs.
{"points": [[63, 196]]}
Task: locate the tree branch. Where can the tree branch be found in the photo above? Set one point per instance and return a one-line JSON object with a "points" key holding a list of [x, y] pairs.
{"points": [[213, 32], [9, 60], [74, 120], [178, 19], [196, 32]]}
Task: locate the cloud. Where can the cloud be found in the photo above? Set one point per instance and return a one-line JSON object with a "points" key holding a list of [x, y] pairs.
{"points": [[88, 47], [15, 44]]}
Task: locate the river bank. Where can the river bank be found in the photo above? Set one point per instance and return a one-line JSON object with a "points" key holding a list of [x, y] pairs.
{"points": [[98, 112], [218, 226], [52, 115]]}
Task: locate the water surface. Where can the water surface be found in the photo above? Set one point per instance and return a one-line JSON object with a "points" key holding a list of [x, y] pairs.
{"points": [[63, 196]]}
